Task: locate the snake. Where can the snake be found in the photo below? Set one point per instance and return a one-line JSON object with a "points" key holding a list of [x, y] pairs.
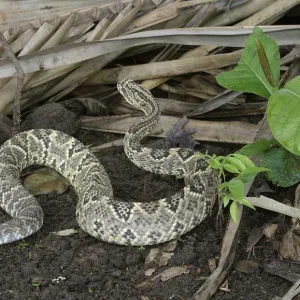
{"points": [[97, 211]]}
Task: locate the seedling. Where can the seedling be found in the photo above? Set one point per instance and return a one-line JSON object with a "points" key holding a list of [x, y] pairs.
{"points": [[243, 169], [36, 285], [22, 245]]}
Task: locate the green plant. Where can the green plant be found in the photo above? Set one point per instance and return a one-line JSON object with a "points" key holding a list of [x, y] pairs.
{"points": [[258, 72], [22, 245], [91, 291], [36, 285], [244, 170]]}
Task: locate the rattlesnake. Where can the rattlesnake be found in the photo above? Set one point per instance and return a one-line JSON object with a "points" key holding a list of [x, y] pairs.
{"points": [[97, 212]]}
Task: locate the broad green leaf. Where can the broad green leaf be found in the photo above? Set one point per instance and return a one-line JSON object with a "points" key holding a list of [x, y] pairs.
{"points": [[284, 115], [247, 203], [236, 188], [250, 173], [256, 147], [226, 200], [245, 160], [214, 164], [222, 186], [231, 168], [284, 166], [234, 212], [236, 163], [249, 75]]}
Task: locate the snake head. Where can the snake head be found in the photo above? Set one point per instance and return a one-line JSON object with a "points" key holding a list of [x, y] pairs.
{"points": [[137, 96]]}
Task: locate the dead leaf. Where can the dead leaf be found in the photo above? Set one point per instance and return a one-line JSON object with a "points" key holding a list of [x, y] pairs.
{"points": [[270, 231], [224, 287], [173, 272], [212, 264], [45, 181], [246, 266], [149, 272], [284, 269], [161, 255], [290, 246]]}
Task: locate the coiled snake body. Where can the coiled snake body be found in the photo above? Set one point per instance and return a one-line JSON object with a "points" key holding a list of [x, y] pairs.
{"points": [[97, 212]]}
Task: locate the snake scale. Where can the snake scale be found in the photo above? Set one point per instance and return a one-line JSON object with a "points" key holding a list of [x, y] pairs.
{"points": [[97, 212]]}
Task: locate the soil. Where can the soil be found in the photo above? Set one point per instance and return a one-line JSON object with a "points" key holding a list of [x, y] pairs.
{"points": [[47, 266]]}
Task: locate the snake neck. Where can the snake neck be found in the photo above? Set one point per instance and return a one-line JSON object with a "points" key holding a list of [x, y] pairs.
{"points": [[143, 127]]}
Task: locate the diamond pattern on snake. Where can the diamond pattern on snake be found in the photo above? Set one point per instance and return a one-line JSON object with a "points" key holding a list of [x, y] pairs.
{"points": [[97, 211]]}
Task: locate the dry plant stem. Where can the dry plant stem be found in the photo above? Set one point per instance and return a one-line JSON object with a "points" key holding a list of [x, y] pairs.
{"points": [[274, 9], [294, 54], [204, 50], [228, 132], [87, 11], [215, 102], [265, 10], [54, 40], [164, 68], [35, 43], [195, 21], [47, 75], [238, 13], [79, 76], [72, 53], [293, 291], [18, 44], [20, 78], [273, 205], [86, 69]]}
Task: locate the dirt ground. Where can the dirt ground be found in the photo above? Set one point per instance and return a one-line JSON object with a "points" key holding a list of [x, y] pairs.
{"points": [[46, 266]]}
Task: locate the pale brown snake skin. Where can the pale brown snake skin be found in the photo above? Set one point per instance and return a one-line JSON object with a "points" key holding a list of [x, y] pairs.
{"points": [[97, 212]]}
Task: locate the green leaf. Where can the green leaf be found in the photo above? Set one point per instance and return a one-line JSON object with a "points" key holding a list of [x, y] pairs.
{"points": [[247, 203], [256, 148], [236, 163], [222, 186], [245, 160], [226, 200], [234, 212], [284, 115], [250, 173], [249, 75], [284, 166], [236, 187], [231, 168], [218, 158], [214, 164]]}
